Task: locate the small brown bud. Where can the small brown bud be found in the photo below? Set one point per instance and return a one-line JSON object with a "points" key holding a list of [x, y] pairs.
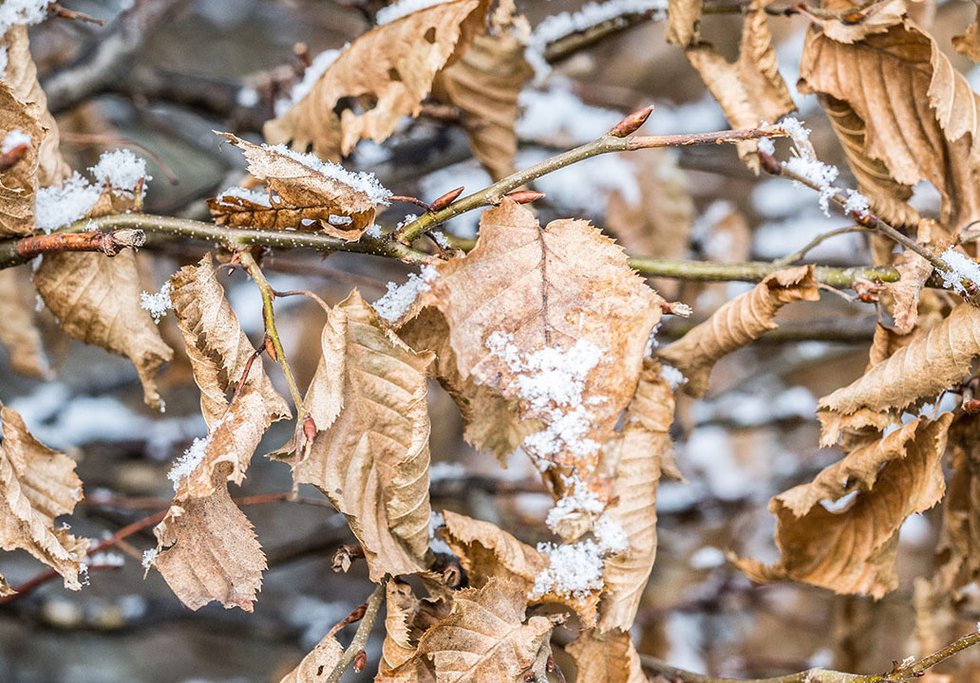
{"points": [[309, 428], [525, 196], [971, 407], [13, 155], [447, 199], [270, 348], [631, 123], [769, 163], [360, 661]]}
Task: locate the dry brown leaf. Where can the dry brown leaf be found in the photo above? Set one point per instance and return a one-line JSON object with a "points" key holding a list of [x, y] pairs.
{"points": [[958, 551], [609, 658], [848, 22], [542, 290], [400, 643], [206, 547], [854, 550], [97, 300], [917, 372], [372, 460], [318, 664], [969, 43], [750, 90], [388, 69], [739, 322], [21, 77], [683, 22], [19, 333], [484, 85], [485, 638], [37, 485], [919, 114], [19, 182], [635, 460], [308, 193], [914, 271], [217, 347]]}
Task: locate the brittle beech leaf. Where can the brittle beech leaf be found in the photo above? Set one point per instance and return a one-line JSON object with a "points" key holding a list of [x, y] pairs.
{"points": [[609, 658], [307, 193], [21, 77], [737, 323], [683, 19], [525, 291], [318, 664], [217, 347], [37, 485], [919, 114], [19, 333], [485, 638], [19, 182], [484, 85], [372, 460], [635, 459], [918, 372], [96, 300], [400, 643], [207, 549], [854, 550], [389, 70], [750, 90]]}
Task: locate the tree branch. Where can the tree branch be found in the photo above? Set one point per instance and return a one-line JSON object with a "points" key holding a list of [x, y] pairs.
{"points": [[109, 243], [362, 634], [756, 272]]}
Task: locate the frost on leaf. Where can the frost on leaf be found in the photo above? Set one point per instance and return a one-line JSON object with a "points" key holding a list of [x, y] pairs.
{"points": [[609, 658], [370, 456], [918, 114], [554, 322], [217, 347], [18, 182], [206, 547], [485, 637], [750, 90], [854, 550], [918, 372], [389, 67], [37, 485], [737, 323], [303, 193]]}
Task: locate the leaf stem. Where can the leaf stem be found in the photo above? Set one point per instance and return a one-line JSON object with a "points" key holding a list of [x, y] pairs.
{"points": [[269, 316], [362, 634]]}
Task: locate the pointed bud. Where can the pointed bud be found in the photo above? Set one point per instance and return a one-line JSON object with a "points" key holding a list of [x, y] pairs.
{"points": [[309, 428], [360, 661], [270, 349], [447, 199], [631, 123], [525, 196]]}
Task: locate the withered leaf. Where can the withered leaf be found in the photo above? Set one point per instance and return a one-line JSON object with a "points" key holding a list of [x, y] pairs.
{"points": [[737, 323], [683, 19], [485, 638], [919, 114], [969, 43], [904, 294], [928, 365], [308, 194], [19, 333], [400, 642], [751, 90], [318, 664], [207, 549], [37, 485], [388, 69], [96, 300], [372, 460], [608, 658], [484, 85], [635, 459], [217, 347], [545, 289], [19, 182], [854, 550], [958, 550], [849, 22]]}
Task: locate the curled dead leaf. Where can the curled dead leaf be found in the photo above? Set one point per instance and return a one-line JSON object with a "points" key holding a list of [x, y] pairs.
{"points": [[608, 658], [18, 182]]}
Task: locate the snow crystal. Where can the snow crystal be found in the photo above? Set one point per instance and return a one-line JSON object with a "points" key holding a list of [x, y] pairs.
{"points": [[963, 268], [187, 462], [399, 298], [120, 169], [359, 181], [592, 14], [573, 570], [766, 146], [674, 377], [260, 197], [22, 12], [817, 172], [59, 206], [14, 138], [403, 8], [157, 304], [580, 500], [339, 221], [856, 203], [611, 536], [314, 71]]}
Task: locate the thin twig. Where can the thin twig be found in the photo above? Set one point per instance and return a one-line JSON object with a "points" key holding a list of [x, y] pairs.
{"points": [[801, 253], [109, 243], [362, 634], [756, 272], [269, 316]]}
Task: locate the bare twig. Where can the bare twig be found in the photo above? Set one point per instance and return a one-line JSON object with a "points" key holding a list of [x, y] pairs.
{"points": [[362, 634], [801, 253], [109, 243], [756, 272]]}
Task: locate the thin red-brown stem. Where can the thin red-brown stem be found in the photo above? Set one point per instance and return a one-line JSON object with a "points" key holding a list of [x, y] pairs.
{"points": [[109, 243]]}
